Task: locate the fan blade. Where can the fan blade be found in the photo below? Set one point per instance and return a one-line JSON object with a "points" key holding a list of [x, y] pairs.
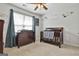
{"points": [[44, 7], [36, 8]]}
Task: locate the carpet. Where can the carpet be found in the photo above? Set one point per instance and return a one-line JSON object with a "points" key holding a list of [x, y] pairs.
{"points": [[42, 49], [3, 54]]}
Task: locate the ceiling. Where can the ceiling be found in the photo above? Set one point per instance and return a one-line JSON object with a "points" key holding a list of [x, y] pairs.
{"points": [[30, 7], [53, 8]]}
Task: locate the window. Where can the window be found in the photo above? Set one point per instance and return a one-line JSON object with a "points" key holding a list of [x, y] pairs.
{"points": [[22, 22]]}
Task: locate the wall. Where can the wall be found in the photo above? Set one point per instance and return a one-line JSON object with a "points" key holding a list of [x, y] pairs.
{"points": [[54, 18], [4, 14], [39, 28]]}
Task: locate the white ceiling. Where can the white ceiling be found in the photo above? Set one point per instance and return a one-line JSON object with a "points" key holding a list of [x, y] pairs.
{"points": [[52, 7], [30, 7]]}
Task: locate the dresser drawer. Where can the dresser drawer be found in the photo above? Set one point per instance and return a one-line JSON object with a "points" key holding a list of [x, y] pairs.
{"points": [[24, 38], [1, 47]]}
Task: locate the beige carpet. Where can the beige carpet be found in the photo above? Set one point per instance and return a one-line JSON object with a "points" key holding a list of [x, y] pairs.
{"points": [[42, 49]]}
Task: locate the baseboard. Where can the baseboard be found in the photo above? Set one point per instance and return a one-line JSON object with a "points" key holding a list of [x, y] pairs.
{"points": [[3, 54], [74, 45]]}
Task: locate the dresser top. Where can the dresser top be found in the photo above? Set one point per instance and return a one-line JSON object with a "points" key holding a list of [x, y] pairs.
{"points": [[1, 20]]}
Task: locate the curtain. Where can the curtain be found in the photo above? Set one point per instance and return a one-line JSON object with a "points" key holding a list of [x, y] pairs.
{"points": [[33, 27], [10, 37], [33, 23]]}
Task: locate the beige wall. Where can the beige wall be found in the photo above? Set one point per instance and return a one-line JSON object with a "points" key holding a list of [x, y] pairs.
{"points": [[39, 28], [54, 18]]}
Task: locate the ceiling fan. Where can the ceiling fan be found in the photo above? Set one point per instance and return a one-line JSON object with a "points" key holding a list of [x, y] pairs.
{"points": [[40, 6]]}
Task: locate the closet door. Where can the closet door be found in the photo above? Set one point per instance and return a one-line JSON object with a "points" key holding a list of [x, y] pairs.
{"points": [[1, 36]]}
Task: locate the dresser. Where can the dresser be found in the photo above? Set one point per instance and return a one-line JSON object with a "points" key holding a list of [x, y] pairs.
{"points": [[1, 35], [25, 37]]}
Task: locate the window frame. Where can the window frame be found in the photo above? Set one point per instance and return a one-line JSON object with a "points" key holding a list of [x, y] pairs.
{"points": [[23, 24]]}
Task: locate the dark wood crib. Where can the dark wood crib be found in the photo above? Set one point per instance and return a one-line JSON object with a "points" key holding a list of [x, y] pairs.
{"points": [[57, 37]]}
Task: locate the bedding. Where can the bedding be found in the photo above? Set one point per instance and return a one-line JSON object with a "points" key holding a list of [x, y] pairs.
{"points": [[52, 35], [48, 34]]}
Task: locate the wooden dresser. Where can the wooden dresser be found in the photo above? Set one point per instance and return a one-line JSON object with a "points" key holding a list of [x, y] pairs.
{"points": [[25, 37], [1, 36]]}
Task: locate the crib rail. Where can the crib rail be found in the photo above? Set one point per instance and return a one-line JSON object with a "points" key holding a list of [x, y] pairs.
{"points": [[54, 36]]}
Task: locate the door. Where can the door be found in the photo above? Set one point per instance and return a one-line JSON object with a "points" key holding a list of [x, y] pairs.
{"points": [[1, 36]]}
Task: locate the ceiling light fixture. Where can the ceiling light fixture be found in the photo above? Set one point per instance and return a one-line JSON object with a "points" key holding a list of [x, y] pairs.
{"points": [[40, 6]]}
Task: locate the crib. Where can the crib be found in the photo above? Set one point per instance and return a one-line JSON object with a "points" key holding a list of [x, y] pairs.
{"points": [[52, 36]]}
